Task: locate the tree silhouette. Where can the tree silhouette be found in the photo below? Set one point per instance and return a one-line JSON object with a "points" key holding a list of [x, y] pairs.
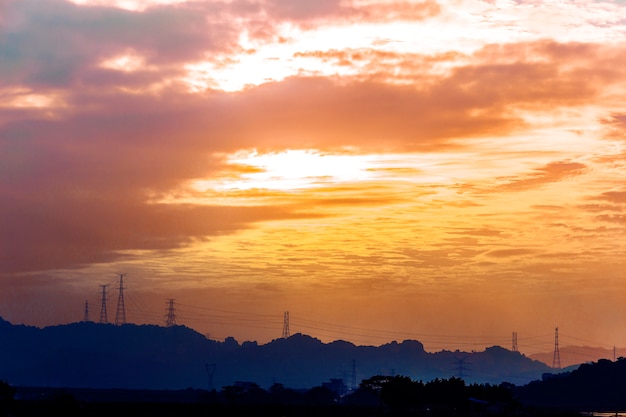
{"points": [[7, 394]]}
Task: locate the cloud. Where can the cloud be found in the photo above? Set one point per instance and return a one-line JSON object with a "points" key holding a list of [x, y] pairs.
{"points": [[547, 207], [299, 10], [305, 13], [67, 232], [617, 197], [55, 43], [484, 232], [612, 210], [552, 172], [315, 112], [298, 113], [613, 218], [111, 148], [506, 253], [78, 174], [619, 119]]}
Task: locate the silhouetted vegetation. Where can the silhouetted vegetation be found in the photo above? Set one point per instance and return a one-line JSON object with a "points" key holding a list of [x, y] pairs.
{"points": [[444, 396], [376, 396], [598, 386], [397, 395], [7, 394]]}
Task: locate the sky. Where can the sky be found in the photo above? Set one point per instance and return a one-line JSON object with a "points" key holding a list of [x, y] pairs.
{"points": [[447, 171]]}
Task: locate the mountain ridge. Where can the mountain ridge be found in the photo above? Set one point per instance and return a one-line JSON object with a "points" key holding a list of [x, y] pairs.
{"points": [[154, 357], [577, 355]]}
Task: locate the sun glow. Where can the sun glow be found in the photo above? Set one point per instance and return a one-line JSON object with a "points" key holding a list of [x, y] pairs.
{"points": [[291, 170], [24, 98], [128, 62], [363, 49], [334, 50], [298, 170], [132, 5], [252, 177]]}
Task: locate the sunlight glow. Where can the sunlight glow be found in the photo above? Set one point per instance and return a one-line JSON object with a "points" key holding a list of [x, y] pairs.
{"points": [[362, 49], [132, 5], [128, 62], [344, 51], [26, 98], [291, 170]]}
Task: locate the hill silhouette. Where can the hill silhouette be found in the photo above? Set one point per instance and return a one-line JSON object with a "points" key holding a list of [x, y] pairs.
{"points": [[576, 355], [598, 386], [132, 356]]}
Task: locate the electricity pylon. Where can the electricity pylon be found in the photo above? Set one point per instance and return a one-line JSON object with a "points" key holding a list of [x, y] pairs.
{"points": [[120, 313], [556, 358]]}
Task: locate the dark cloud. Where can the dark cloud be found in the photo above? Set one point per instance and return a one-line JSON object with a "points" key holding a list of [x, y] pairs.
{"points": [[65, 232], [55, 43]]}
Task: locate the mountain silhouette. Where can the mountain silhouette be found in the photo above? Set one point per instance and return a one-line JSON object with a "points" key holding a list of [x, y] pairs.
{"points": [[576, 355], [598, 386], [133, 356]]}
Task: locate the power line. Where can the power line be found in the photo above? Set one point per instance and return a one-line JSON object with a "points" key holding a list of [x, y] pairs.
{"points": [[377, 335], [319, 328], [586, 341], [235, 318], [139, 309], [392, 333]]}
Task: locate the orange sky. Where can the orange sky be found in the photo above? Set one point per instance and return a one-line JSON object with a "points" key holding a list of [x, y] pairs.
{"points": [[446, 171]]}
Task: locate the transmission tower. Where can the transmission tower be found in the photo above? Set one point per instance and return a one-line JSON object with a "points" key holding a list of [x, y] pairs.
{"points": [[514, 344], [286, 325], [556, 358], [461, 369], [170, 317], [120, 313], [103, 308], [354, 374], [86, 316], [210, 370]]}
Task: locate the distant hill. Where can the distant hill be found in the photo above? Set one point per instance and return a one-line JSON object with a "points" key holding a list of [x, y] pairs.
{"points": [[576, 355], [132, 356], [598, 386]]}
